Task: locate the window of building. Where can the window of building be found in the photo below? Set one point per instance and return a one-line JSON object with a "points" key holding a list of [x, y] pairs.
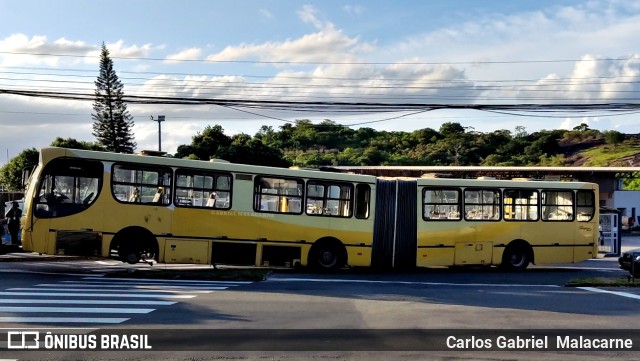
{"points": [[441, 204], [557, 205], [520, 205], [482, 204], [278, 195], [202, 189], [143, 184], [329, 199]]}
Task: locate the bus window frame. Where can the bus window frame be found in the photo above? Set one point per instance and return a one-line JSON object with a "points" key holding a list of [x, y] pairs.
{"points": [[459, 203], [573, 204], [257, 196], [521, 189], [496, 191], [593, 206], [143, 167], [325, 197], [72, 208], [365, 190], [205, 172]]}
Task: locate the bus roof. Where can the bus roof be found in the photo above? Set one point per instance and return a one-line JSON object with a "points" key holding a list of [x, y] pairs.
{"points": [[49, 153]]}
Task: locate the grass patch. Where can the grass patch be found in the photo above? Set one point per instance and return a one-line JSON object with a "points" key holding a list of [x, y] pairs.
{"points": [[254, 275], [626, 281], [606, 154]]}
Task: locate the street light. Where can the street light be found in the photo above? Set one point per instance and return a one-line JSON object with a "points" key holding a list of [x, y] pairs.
{"points": [[159, 120]]}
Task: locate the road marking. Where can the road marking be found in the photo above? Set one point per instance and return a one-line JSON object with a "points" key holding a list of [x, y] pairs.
{"points": [[285, 279], [110, 296], [74, 309], [89, 285], [102, 289], [617, 293], [86, 302], [149, 295], [111, 320], [149, 281]]}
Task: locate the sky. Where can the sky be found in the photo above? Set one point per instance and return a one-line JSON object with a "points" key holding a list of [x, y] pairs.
{"points": [[416, 52]]}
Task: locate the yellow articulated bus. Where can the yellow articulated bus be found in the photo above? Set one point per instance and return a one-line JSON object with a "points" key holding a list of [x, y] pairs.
{"points": [[137, 207]]}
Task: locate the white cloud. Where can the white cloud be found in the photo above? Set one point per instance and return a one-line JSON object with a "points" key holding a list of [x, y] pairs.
{"points": [[266, 14], [187, 54], [356, 10], [308, 14], [47, 51]]}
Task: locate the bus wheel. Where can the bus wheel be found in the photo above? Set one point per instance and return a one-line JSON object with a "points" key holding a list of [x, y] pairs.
{"points": [[516, 257], [327, 256], [135, 244], [130, 255]]}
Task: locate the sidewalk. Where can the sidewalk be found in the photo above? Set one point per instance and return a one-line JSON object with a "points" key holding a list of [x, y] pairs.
{"points": [[15, 254]]}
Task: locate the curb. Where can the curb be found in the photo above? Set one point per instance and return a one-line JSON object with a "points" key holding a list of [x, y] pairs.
{"points": [[15, 254]]}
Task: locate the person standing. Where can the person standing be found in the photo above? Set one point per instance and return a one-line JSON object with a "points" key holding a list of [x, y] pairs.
{"points": [[13, 222]]}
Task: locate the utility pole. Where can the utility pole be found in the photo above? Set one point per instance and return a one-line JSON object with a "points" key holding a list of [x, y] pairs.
{"points": [[159, 120]]}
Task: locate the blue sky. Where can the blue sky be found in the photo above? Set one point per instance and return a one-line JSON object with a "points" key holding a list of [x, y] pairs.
{"points": [[449, 52]]}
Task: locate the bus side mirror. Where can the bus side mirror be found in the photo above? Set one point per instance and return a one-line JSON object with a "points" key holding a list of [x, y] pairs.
{"points": [[26, 174]]}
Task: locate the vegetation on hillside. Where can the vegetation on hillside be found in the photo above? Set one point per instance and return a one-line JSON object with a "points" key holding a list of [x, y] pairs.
{"points": [[310, 145]]}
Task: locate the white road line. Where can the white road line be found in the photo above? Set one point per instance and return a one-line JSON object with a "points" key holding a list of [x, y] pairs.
{"points": [[102, 289], [207, 289], [110, 320], [74, 309], [622, 294], [149, 295], [85, 302], [404, 282], [146, 280]]}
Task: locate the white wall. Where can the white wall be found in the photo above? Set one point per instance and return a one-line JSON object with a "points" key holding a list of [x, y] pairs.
{"points": [[626, 201]]}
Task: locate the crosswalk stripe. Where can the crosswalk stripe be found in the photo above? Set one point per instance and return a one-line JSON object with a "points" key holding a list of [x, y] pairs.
{"points": [[149, 295], [146, 280], [86, 302], [77, 297], [129, 286], [74, 309], [120, 289], [110, 320]]}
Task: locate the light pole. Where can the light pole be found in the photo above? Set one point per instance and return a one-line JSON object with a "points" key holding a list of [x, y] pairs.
{"points": [[159, 120]]}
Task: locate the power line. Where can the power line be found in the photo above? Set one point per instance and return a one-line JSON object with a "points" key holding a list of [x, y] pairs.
{"points": [[241, 61]]}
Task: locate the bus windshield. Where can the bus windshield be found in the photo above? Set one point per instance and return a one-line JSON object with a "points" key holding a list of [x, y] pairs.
{"points": [[67, 187]]}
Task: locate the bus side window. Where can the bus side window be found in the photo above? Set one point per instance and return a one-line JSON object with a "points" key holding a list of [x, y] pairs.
{"points": [[585, 205], [363, 200]]}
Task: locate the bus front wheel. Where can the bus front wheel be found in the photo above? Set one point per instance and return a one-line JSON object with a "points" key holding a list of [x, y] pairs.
{"points": [[516, 257], [135, 244], [130, 255]]}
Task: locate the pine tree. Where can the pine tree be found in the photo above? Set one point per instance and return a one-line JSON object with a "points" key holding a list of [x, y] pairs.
{"points": [[112, 122]]}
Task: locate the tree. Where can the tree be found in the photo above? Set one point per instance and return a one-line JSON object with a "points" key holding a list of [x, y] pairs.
{"points": [[205, 145], [11, 173], [72, 143], [613, 137], [112, 122]]}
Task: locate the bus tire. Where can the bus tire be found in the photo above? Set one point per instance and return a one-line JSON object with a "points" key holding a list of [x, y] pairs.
{"points": [[327, 255], [134, 244], [516, 257]]}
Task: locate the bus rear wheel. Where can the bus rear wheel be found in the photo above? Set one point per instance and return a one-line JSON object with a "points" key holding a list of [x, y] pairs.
{"points": [[516, 258], [327, 256]]}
